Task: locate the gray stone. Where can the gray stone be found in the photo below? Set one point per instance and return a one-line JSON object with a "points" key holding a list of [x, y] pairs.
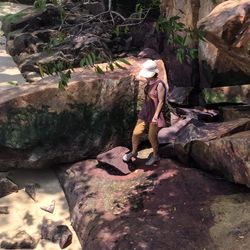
{"points": [[21, 240], [7, 186]]}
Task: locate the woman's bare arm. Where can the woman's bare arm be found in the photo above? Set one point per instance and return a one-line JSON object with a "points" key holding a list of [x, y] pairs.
{"points": [[161, 96]]}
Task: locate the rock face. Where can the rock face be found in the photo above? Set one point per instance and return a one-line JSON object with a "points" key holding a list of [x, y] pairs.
{"points": [[221, 147], [229, 155], [227, 27], [180, 95], [216, 66], [169, 207], [41, 124], [229, 113], [113, 159], [229, 94], [190, 9]]}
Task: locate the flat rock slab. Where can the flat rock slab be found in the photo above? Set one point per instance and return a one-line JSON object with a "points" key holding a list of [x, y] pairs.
{"points": [[169, 134], [169, 207], [206, 115], [196, 130], [113, 158]]}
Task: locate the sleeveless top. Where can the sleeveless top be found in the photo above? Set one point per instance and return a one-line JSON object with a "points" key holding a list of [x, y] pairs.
{"points": [[150, 104]]}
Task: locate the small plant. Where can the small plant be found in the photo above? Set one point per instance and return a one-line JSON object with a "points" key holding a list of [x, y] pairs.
{"points": [[40, 4], [57, 68], [55, 41], [179, 37]]}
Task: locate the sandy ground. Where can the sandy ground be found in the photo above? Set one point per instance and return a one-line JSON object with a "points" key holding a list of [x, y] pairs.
{"points": [[26, 214], [9, 71]]}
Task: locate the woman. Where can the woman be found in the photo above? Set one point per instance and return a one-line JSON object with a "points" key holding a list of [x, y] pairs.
{"points": [[151, 114]]}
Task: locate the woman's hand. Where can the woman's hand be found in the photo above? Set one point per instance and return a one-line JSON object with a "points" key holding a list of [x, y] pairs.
{"points": [[154, 120]]}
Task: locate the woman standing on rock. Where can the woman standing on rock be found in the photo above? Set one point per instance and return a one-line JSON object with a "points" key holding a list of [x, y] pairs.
{"points": [[151, 114]]}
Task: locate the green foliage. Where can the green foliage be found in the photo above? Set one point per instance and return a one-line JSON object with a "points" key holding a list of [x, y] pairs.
{"points": [[120, 31], [139, 10], [56, 68], [179, 37], [149, 3], [55, 41], [40, 4], [13, 18], [89, 60]]}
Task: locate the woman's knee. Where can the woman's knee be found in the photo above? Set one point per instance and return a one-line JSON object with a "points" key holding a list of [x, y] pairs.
{"points": [[139, 129]]}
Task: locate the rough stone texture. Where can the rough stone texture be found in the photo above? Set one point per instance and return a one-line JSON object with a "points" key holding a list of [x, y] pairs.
{"points": [[227, 27], [235, 112], [180, 95], [229, 156], [30, 189], [57, 233], [229, 94], [190, 9], [113, 158], [197, 130], [180, 120], [169, 207], [168, 134], [202, 114], [199, 133], [4, 210], [7, 186], [50, 208], [217, 69], [41, 124], [21, 240]]}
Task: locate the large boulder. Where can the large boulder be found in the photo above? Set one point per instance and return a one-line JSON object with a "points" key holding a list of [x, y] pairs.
{"points": [[215, 67], [169, 207], [230, 156], [41, 124], [227, 28], [194, 144]]}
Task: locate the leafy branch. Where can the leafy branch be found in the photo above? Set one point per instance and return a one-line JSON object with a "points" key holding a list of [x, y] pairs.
{"points": [[88, 61], [179, 37]]}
